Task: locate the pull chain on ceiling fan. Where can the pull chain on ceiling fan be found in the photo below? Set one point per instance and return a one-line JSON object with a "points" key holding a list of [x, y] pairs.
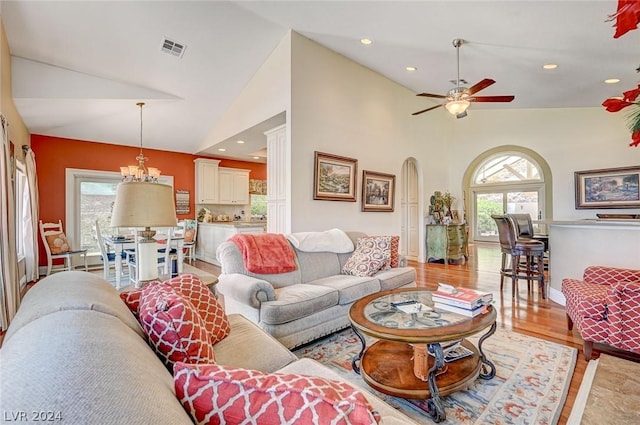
{"points": [[459, 98]]}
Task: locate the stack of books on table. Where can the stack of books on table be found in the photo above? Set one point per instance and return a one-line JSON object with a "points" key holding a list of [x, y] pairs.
{"points": [[465, 301]]}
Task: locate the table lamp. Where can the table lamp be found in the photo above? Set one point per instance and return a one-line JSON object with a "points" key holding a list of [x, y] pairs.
{"points": [[144, 204]]}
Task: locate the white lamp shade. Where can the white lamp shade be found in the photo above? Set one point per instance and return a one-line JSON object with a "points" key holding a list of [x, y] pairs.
{"points": [[143, 204]]}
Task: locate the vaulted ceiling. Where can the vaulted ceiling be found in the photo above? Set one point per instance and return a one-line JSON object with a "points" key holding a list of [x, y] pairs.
{"points": [[79, 67]]}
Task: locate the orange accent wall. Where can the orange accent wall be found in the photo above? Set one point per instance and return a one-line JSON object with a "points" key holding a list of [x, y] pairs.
{"points": [[54, 155]]}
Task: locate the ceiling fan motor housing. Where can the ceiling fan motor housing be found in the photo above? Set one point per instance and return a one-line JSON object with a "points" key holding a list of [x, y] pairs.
{"points": [[458, 93]]}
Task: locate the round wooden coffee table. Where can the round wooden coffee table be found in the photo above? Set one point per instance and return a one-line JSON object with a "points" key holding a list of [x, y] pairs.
{"points": [[408, 360]]}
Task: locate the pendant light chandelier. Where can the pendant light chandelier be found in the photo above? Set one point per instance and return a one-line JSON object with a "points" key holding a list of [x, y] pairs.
{"points": [[140, 172]]}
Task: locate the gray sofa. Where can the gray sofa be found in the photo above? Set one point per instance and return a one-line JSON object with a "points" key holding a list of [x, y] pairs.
{"points": [[75, 354], [306, 304]]}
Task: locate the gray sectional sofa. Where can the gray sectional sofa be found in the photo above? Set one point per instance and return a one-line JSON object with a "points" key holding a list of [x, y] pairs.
{"points": [[306, 304], [75, 354]]}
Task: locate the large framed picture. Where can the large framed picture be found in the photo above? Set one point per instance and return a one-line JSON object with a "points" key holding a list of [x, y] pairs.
{"points": [[334, 177], [608, 188], [378, 191]]}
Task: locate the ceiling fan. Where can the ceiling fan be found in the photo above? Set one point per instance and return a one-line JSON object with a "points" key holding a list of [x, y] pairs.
{"points": [[459, 98]]}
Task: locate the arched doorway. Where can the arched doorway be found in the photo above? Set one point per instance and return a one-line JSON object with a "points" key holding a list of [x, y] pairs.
{"points": [[411, 206], [506, 179]]}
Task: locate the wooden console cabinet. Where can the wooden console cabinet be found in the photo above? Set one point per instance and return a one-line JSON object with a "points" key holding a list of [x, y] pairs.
{"points": [[446, 242]]}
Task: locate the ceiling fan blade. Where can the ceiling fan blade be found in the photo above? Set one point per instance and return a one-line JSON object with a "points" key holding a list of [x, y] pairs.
{"points": [[439, 96], [492, 98], [481, 85], [425, 110]]}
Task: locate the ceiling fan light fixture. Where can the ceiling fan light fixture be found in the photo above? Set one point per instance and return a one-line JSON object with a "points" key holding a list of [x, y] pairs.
{"points": [[457, 107]]}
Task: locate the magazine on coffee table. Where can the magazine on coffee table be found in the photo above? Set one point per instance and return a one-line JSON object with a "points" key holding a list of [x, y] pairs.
{"points": [[455, 352]]}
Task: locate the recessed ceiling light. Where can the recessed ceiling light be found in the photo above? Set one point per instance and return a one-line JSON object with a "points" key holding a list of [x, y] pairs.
{"points": [[366, 41], [411, 68], [612, 80], [240, 141], [550, 66], [221, 149], [256, 157]]}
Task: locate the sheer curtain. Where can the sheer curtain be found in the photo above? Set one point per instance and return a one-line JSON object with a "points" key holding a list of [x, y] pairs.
{"points": [[30, 216], [9, 284]]}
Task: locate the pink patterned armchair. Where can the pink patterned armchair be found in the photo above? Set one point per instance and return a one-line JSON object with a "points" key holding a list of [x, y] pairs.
{"points": [[605, 307]]}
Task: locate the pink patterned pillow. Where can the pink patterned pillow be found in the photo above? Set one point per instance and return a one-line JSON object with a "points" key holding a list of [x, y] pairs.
{"points": [[214, 394], [372, 254], [173, 326], [192, 288]]}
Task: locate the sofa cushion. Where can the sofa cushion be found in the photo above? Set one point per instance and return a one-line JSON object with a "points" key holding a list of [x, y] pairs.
{"points": [[214, 394], [174, 328], [316, 265], [396, 278], [205, 302], [90, 367], [58, 243], [73, 290], [234, 350], [350, 288], [297, 301]]}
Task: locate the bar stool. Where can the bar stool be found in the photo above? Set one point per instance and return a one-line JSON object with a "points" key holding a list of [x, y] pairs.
{"points": [[530, 251]]}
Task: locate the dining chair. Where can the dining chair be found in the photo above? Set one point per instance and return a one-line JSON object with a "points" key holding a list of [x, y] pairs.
{"points": [[107, 256], [164, 257], [57, 247], [188, 228]]}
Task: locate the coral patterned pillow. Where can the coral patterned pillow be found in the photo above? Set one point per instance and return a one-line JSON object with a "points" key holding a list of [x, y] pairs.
{"points": [[395, 257], [58, 243], [214, 394], [189, 234], [372, 254], [173, 326], [192, 288]]}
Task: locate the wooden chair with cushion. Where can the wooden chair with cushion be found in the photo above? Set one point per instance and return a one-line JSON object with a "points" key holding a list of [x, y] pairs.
{"points": [[57, 247], [189, 231], [521, 258], [605, 307]]}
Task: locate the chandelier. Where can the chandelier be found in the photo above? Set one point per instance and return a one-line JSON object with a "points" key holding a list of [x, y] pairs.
{"points": [[140, 172]]}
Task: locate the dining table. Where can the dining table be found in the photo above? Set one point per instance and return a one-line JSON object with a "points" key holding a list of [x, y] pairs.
{"points": [[122, 243]]}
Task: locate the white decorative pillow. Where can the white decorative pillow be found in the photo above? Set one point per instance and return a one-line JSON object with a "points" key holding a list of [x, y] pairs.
{"points": [[372, 254]]}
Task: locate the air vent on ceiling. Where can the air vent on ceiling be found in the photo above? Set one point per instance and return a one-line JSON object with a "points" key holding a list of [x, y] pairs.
{"points": [[172, 47]]}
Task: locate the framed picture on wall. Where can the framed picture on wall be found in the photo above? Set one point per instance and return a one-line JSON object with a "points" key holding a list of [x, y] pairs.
{"points": [[608, 188], [334, 177], [378, 191]]}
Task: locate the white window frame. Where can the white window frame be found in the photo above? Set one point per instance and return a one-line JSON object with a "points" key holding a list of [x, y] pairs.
{"points": [[73, 178], [532, 185]]}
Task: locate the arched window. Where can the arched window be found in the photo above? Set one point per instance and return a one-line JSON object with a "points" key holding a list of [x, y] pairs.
{"points": [[505, 181]]}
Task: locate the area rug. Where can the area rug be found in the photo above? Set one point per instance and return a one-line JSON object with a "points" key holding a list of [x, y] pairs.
{"points": [[609, 393], [530, 386]]}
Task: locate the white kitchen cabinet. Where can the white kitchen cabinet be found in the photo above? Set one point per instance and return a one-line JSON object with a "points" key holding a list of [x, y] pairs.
{"points": [[233, 185], [211, 235], [206, 181]]}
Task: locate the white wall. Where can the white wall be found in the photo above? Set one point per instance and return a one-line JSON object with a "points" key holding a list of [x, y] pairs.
{"points": [[266, 95], [571, 139], [343, 108]]}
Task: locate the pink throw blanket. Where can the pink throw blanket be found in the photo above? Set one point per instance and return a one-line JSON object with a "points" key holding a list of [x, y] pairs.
{"points": [[265, 253]]}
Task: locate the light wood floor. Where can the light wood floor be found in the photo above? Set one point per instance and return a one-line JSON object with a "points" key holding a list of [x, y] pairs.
{"points": [[527, 313]]}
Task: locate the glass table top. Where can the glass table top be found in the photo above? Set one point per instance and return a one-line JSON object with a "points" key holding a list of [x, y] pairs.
{"points": [[409, 310]]}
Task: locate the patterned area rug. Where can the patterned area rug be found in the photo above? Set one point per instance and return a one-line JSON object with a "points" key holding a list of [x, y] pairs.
{"points": [[530, 385]]}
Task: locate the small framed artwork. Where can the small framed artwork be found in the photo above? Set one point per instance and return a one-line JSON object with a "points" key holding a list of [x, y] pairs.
{"points": [[437, 217], [378, 191], [334, 177], [608, 188], [455, 216]]}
